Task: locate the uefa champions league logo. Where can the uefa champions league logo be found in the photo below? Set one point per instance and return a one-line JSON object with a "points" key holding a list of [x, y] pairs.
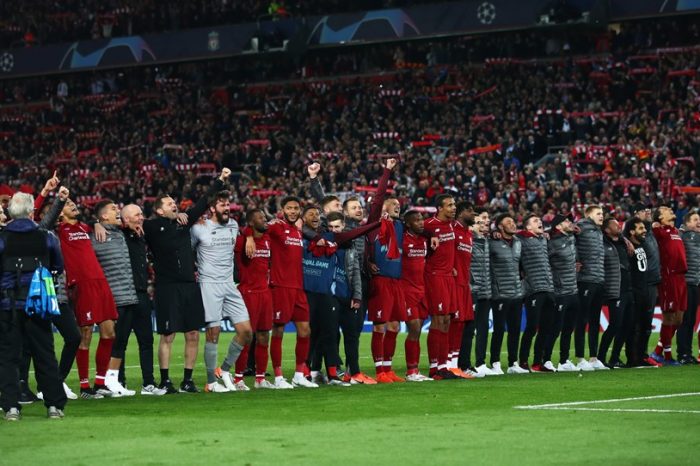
{"points": [[486, 13], [7, 62]]}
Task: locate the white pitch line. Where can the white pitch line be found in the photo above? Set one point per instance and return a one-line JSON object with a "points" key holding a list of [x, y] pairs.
{"points": [[617, 410], [614, 400]]}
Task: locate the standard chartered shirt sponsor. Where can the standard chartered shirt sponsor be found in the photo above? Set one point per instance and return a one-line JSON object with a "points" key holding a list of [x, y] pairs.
{"points": [[214, 244]]}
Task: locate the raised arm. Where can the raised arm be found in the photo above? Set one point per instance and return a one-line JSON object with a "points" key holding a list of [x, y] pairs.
{"points": [[375, 209], [198, 209], [51, 184], [347, 236], [316, 188], [49, 220]]}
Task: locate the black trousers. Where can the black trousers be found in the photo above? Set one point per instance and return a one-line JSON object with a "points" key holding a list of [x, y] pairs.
{"points": [[652, 296], [636, 346], [137, 318], [323, 319], [362, 312], [16, 331], [539, 316], [567, 312], [480, 325], [68, 328], [684, 339], [506, 312], [351, 323], [619, 327], [590, 297]]}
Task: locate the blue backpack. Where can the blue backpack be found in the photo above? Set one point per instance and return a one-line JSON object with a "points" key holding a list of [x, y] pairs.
{"points": [[41, 298]]}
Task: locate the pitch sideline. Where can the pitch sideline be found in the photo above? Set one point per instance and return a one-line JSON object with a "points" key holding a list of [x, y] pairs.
{"points": [[579, 405]]}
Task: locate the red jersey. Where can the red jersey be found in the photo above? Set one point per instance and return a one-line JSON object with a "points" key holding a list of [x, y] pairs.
{"points": [[671, 250], [442, 260], [254, 274], [415, 248], [463, 255], [286, 249], [78, 254]]}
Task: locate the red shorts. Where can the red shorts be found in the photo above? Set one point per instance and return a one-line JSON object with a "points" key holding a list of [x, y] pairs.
{"points": [[289, 305], [415, 304], [440, 294], [464, 304], [93, 302], [673, 293], [386, 300], [259, 306]]}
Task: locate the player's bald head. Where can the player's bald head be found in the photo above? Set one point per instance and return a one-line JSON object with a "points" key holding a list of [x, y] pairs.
{"points": [[130, 210]]}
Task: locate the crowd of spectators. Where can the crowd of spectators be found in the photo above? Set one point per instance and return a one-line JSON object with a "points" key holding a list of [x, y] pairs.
{"points": [[34, 22], [541, 135]]}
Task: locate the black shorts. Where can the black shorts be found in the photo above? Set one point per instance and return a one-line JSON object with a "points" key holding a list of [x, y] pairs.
{"points": [[179, 308]]}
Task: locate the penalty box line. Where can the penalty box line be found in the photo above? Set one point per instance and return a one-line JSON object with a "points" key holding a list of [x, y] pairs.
{"points": [[580, 405]]}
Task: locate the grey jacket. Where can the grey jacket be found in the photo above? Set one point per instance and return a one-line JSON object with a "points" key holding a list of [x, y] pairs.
{"points": [[651, 248], [480, 271], [589, 252], [505, 268], [538, 273], [611, 288], [691, 241], [353, 273], [562, 258], [113, 256]]}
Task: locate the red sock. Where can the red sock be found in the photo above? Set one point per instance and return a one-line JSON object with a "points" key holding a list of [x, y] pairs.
{"points": [[332, 372], [443, 349], [102, 355], [260, 361], [276, 355], [455, 337], [433, 348], [378, 351], [412, 355], [389, 349], [241, 363], [302, 352], [82, 360]]}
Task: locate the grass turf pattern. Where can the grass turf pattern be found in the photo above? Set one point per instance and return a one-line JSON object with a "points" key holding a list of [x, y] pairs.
{"points": [[446, 422]]}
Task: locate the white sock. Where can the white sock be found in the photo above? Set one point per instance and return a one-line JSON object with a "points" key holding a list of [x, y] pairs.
{"points": [[112, 374]]}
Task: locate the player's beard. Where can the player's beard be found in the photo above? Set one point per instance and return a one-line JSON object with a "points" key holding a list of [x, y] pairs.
{"points": [[222, 218]]}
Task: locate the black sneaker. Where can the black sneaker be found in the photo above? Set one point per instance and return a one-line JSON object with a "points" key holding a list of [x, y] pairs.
{"points": [[26, 396], [444, 374], [103, 390], [687, 360], [90, 394], [168, 386], [616, 365], [188, 386]]}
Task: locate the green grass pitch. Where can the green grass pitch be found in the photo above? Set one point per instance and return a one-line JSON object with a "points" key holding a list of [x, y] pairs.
{"points": [[448, 422]]}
